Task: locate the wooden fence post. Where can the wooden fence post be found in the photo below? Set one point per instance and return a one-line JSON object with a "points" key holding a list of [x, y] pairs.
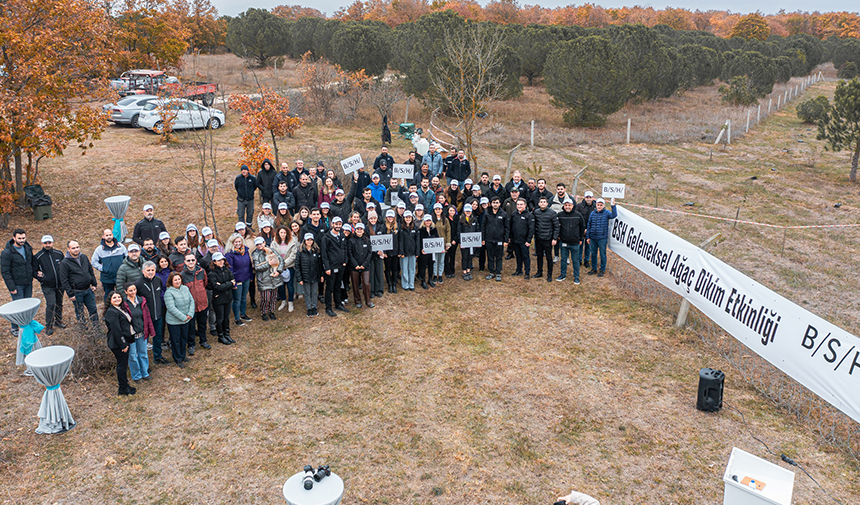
{"points": [[628, 130]]}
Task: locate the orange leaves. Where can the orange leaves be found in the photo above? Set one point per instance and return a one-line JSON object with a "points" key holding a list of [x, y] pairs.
{"points": [[267, 114]]}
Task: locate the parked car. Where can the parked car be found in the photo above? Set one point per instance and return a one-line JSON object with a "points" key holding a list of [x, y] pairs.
{"points": [[183, 114], [142, 81], [127, 110]]}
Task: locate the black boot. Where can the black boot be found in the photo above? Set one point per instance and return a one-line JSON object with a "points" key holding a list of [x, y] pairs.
{"points": [[431, 283], [227, 332], [394, 287], [272, 316], [222, 339]]}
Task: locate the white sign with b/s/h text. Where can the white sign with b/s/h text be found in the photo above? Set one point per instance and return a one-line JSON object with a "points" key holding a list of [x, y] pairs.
{"points": [[433, 245], [351, 164], [472, 239], [382, 242], [613, 190], [402, 171]]}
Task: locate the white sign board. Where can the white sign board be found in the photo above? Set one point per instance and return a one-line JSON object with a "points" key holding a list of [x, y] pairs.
{"points": [[402, 171], [395, 198], [812, 351], [468, 240], [382, 242], [613, 190], [433, 245], [351, 164]]}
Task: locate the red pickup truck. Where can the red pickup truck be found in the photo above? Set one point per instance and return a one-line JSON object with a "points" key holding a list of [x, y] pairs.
{"points": [[157, 82]]}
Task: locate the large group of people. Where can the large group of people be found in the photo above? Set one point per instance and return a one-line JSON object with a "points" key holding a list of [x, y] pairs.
{"points": [[312, 239]]}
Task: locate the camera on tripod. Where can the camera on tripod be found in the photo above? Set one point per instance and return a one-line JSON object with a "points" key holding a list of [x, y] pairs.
{"points": [[312, 475]]}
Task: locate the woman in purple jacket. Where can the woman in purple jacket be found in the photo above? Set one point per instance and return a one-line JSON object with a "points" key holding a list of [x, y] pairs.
{"points": [[239, 260]]}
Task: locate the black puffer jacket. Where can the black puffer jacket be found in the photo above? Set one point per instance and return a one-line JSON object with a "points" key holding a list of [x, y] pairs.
{"points": [[585, 210], [359, 251], [571, 227], [496, 226], [48, 262], [408, 242], [334, 255], [472, 226], [148, 229], [265, 178], [522, 227], [546, 224], [308, 264], [221, 284], [306, 196], [17, 270], [76, 277]]}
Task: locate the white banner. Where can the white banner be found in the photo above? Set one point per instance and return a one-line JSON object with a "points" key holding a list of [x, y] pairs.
{"points": [[351, 164], [814, 352], [469, 240], [381, 242], [402, 171]]}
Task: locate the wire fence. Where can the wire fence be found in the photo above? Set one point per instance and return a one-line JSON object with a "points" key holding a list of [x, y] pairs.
{"points": [[827, 422]]}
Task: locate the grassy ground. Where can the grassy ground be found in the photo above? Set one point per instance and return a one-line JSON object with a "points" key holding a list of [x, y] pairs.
{"points": [[512, 393]]}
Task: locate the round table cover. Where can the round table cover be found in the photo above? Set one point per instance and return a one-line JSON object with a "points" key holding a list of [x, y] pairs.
{"points": [[328, 491], [50, 365], [118, 205], [22, 312]]}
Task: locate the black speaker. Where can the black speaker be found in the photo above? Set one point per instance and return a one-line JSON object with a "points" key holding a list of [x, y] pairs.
{"points": [[710, 397]]}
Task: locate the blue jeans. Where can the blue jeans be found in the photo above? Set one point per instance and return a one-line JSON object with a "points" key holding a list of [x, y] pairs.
{"points": [[138, 360], [86, 298], [240, 299], [571, 250], [598, 244], [407, 272], [438, 264], [158, 338], [25, 291]]}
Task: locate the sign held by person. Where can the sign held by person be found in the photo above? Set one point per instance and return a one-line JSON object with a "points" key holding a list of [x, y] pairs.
{"points": [[382, 242], [433, 245], [401, 171], [469, 240], [351, 164], [613, 190]]}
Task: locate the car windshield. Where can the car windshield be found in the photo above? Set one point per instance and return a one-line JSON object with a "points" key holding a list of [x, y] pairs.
{"points": [[127, 100]]}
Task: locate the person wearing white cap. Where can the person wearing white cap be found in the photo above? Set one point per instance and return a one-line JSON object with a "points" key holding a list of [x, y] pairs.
{"points": [[334, 258], [408, 248], [390, 260], [46, 268], [377, 188], [130, 270], [455, 195], [597, 234], [266, 216], [204, 259], [571, 228], [192, 237], [443, 228], [469, 223], [360, 254], [148, 227], [586, 207], [268, 266], [164, 245], [309, 271], [425, 260], [497, 189], [468, 184], [207, 236]]}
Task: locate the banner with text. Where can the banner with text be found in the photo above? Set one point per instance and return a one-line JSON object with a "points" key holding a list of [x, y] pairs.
{"points": [[814, 352], [381, 242]]}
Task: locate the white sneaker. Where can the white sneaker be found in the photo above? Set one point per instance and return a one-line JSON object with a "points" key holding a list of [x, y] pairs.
{"points": [[282, 305], [149, 346], [291, 306]]}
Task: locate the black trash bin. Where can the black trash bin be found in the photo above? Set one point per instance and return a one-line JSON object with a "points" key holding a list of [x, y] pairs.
{"points": [[39, 202]]}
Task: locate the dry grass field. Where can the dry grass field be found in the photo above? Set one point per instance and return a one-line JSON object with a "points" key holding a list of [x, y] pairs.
{"points": [[512, 392]]}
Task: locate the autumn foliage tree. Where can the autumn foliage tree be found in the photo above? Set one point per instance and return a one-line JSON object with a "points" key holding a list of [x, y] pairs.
{"points": [[267, 115], [751, 26], [150, 35], [52, 52]]}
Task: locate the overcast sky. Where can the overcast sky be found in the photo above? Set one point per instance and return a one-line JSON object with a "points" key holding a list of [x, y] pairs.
{"points": [[233, 7]]}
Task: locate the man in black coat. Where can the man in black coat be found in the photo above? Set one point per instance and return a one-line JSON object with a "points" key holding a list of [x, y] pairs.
{"points": [[571, 231], [16, 264], [305, 193], [246, 186], [295, 175], [585, 208], [383, 156], [265, 180], [79, 281], [149, 287], [459, 169], [539, 192], [496, 230], [334, 260], [522, 231], [546, 236], [148, 227], [46, 269]]}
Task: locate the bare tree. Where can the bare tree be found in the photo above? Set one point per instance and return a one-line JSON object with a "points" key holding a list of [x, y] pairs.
{"points": [[203, 172], [384, 93], [468, 75]]}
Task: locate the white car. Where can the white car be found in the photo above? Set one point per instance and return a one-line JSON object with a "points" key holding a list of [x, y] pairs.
{"points": [[183, 114]]}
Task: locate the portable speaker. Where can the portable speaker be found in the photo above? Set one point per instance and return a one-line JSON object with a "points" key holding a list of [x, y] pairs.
{"points": [[710, 396]]}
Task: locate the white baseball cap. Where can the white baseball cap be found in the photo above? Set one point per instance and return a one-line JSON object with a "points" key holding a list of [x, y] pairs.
{"points": [[401, 205], [267, 205], [453, 182], [47, 238], [437, 205], [484, 200], [390, 213], [324, 205], [336, 219], [191, 226], [206, 231], [408, 213], [240, 226], [497, 177], [601, 200], [467, 207], [147, 207], [309, 236], [589, 193], [347, 227], [359, 226], [259, 240], [163, 235], [419, 207], [427, 218], [133, 247], [283, 205], [212, 243], [217, 256], [468, 181]]}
